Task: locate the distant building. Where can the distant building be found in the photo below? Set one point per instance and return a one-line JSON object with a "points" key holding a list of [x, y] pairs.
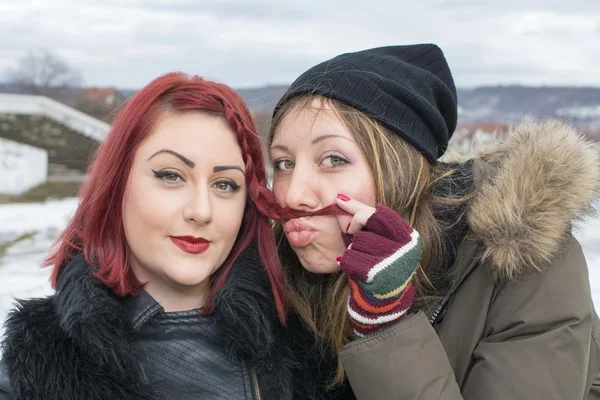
{"points": [[107, 96], [100, 103]]}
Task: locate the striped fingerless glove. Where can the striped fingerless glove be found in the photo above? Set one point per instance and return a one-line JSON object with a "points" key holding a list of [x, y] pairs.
{"points": [[380, 265]]}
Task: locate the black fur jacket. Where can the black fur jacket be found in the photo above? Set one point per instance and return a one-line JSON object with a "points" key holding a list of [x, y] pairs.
{"points": [[78, 341]]}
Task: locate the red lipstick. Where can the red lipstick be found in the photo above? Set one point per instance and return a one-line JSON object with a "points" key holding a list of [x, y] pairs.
{"points": [[191, 244]]}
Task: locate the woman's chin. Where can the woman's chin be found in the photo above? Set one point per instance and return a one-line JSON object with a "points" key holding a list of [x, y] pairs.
{"points": [[190, 279], [320, 267]]}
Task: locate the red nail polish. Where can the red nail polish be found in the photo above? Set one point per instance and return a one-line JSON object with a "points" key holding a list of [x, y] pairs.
{"points": [[338, 259], [343, 197], [348, 227]]}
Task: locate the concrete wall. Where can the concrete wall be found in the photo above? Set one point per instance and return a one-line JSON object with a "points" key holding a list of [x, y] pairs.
{"points": [[65, 115], [66, 148], [21, 167]]}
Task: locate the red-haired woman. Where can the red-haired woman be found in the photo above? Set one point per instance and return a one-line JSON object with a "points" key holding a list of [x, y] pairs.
{"points": [[167, 283]]}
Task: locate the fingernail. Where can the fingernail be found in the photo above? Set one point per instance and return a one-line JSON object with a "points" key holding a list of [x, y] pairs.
{"points": [[348, 227], [343, 197], [338, 259]]}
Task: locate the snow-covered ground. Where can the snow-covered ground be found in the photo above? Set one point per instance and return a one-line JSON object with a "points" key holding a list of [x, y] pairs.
{"points": [[20, 272], [22, 277]]}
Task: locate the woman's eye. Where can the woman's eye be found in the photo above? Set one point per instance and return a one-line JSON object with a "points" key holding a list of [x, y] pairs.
{"points": [[283, 165], [334, 160], [227, 186], [168, 176]]}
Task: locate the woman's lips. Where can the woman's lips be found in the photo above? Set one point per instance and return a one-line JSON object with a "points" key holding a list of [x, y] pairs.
{"points": [[299, 233], [301, 238], [191, 244]]}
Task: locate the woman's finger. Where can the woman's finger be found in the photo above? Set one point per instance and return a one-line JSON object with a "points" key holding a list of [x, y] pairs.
{"points": [[351, 206], [360, 213], [359, 220]]}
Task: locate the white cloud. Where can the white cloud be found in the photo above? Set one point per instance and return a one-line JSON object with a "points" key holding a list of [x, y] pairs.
{"points": [[251, 43]]}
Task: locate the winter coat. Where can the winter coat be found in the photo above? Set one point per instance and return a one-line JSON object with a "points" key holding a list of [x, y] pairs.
{"points": [[518, 321], [84, 342]]}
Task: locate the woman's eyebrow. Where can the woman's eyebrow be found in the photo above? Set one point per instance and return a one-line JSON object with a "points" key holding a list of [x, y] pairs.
{"points": [[185, 160], [315, 141], [324, 137], [220, 168]]}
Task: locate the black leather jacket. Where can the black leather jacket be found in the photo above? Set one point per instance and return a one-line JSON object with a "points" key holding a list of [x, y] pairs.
{"points": [[85, 342], [183, 351]]}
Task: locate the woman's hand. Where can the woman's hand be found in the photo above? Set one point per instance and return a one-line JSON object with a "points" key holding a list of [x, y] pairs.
{"points": [[380, 262], [360, 213]]}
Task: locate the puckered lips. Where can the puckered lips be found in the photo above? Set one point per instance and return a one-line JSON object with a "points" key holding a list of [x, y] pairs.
{"points": [[299, 232]]}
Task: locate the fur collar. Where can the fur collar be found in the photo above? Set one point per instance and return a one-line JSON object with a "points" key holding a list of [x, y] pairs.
{"points": [[538, 181], [83, 329], [72, 344]]}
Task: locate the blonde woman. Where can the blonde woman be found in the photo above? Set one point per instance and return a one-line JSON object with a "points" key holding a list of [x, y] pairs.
{"points": [[442, 281]]}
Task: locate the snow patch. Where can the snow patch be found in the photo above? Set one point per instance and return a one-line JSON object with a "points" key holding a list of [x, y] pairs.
{"points": [[582, 112]]}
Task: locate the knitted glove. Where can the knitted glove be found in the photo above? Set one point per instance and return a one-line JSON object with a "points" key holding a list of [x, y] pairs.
{"points": [[380, 265]]}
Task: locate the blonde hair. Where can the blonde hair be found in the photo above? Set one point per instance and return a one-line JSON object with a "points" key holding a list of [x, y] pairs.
{"points": [[404, 181]]}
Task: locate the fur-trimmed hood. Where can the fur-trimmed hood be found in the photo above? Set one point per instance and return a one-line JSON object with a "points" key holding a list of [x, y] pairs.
{"points": [[534, 185]]}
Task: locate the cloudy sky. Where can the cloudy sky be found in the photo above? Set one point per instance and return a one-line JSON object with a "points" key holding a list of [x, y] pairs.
{"points": [[250, 43]]}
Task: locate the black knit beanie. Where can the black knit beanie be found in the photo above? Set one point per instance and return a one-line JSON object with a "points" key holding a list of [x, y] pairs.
{"points": [[409, 89]]}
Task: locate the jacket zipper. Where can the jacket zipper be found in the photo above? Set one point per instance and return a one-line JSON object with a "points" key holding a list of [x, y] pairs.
{"points": [[442, 304], [436, 313], [256, 387]]}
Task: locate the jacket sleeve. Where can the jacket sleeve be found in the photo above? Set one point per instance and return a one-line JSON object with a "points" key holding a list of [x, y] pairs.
{"points": [[536, 345], [406, 361], [5, 392]]}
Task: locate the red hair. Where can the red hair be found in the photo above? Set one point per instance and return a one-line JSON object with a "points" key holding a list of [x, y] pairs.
{"points": [[96, 228]]}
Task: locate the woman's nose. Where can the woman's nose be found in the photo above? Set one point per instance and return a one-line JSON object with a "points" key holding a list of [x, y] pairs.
{"points": [[198, 209], [301, 194]]}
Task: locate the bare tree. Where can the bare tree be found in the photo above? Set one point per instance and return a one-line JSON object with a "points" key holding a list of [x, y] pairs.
{"points": [[44, 73]]}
